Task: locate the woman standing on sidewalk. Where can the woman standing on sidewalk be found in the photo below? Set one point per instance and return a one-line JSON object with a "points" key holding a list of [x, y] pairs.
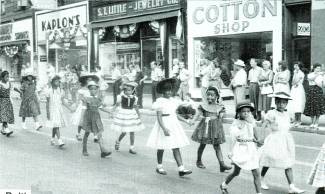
{"points": [[6, 109], [30, 106], [168, 133], [315, 102], [265, 82]]}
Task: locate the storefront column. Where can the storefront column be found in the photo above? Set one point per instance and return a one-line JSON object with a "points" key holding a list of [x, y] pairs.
{"points": [[95, 47]]}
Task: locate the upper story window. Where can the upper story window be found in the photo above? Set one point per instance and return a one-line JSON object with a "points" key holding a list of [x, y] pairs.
{"points": [[3, 10], [23, 4]]}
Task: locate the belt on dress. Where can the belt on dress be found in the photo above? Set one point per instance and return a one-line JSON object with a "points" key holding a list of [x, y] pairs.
{"points": [[244, 140], [165, 115]]}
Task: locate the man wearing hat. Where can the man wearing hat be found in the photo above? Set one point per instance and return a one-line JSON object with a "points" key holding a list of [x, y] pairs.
{"points": [[239, 82]]}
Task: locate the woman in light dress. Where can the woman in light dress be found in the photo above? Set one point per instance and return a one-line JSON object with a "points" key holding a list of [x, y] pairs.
{"points": [[265, 82]]}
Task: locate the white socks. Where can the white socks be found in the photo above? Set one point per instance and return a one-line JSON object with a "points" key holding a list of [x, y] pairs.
{"points": [[132, 147], [159, 166], [181, 168]]}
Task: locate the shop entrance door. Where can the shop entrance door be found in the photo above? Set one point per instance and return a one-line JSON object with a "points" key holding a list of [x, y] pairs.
{"points": [[301, 51]]}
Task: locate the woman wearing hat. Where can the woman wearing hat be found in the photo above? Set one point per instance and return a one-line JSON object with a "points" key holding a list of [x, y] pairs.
{"points": [[30, 106], [127, 117], [244, 153], [278, 150], [167, 132], [239, 82]]}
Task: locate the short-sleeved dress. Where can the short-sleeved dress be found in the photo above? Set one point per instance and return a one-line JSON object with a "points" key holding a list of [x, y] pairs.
{"points": [[177, 138], [92, 121], [6, 108], [278, 150], [244, 151], [317, 175], [57, 118], [29, 106], [78, 115], [126, 118], [210, 129], [297, 104]]}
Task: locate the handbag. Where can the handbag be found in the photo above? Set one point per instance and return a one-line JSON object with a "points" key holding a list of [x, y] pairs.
{"points": [[266, 89]]}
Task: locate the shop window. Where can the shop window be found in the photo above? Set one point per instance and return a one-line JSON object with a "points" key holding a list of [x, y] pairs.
{"points": [[226, 49]]}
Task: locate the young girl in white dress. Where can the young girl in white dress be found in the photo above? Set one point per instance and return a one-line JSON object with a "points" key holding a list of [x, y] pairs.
{"points": [[55, 114], [317, 175], [244, 153], [278, 150], [168, 132], [127, 116]]}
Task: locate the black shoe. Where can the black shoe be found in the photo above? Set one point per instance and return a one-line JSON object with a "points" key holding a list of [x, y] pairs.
{"points": [[184, 172], [8, 134], [95, 140], [131, 151], [199, 164], [105, 154], [3, 132], [224, 167], [161, 171], [223, 190]]}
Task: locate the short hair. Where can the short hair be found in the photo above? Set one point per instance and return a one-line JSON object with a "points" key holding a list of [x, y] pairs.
{"points": [[316, 65], [284, 65], [299, 63], [3, 74]]}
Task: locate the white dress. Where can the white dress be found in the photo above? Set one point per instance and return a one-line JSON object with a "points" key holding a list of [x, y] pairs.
{"points": [[278, 150], [57, 118], [78, 114], [297, 104], [244, 154], [177, 138]]}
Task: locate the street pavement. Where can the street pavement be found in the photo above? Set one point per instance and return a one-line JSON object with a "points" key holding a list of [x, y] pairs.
{"points": [[28, 161]]}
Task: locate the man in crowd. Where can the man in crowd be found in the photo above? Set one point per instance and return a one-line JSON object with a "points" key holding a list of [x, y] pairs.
{"points": [[254, 89], [117, 81], [239, 82], [156, 76], [184, 76]]}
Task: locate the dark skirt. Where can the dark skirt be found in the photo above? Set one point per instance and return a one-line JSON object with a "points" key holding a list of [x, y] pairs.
{"points": [[315, 102], [6, 111], [92, 122], [264, 102], [213, 135], [29, 107], [254, 91]]}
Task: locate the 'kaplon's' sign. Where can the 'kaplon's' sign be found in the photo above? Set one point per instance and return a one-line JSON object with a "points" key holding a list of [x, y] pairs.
{"points": [[232, 17]]}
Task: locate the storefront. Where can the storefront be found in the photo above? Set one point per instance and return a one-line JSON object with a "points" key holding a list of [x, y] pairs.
{"points": [[16, 50], [232, 30], [62, 40], [136, 33], [317, 32]]}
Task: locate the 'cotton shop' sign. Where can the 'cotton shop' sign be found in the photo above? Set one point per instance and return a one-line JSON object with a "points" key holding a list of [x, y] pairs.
{"points": [[231, 17]]}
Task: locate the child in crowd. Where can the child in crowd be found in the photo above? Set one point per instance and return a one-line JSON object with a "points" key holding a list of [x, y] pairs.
{"points": [[244, 153], [168, 132], [278, 150], [30, 106], [6, 108], [210, 129], [92, 122], [317, 175], [127, 117], [54, 107]]}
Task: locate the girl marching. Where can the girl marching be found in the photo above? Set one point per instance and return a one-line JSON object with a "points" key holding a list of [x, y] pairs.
{"points": [[244, 153], [317, 175], [127, 118], [55, 114], [278, 150], [92, 122], [168, 132], [6, 108], [210, 129], [30, 106]]}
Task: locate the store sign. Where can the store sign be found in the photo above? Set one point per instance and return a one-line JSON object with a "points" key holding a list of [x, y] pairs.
{"points": [[5, 32], [135, 8], [11, 32], [303, 29], [232, 17], [64, 19]]}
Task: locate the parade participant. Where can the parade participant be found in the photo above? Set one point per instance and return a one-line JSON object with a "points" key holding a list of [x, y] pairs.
{"points": [[244, 153], [317, 175], [297, 104], [92, 122], [239, 82], [184, 76], [315, 103], [254, 88], [265, 82], [30, 106], [6, 108], [117, 79], [77, 118], [167, 132], [139, 79], [156, 76], [127, 116], [210, 130], [278, 150], [55, 114]]}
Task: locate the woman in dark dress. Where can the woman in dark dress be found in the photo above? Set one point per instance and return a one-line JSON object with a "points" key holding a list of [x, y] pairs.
{"points": [[6, 108]]}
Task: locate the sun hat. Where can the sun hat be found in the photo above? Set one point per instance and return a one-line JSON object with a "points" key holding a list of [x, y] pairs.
{"points": [[84, 76], [240, 63], [212, 88], [166, 84], [129, 83], [92, 83], [244, 104], [282, 95]]}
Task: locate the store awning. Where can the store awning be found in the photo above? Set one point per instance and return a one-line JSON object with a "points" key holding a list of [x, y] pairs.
{"points": [[143, 18], [16, 42]]}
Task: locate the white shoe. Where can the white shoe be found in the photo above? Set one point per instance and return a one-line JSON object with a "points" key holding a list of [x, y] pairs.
{"points": [[294, 189], [38, 126], [7, 130], [60, 142], [53, 141], [264, 185], [23, 125]]}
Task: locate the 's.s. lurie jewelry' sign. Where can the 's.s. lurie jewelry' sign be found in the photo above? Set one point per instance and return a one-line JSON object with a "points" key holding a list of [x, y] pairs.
{"points": [[134, 8], [234, 16]]}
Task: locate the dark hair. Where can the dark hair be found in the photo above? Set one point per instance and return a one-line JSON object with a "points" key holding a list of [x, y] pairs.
{"points": [[278, 99], [215, 91], [284, 65], [54, 79], [3, 74], [299, 63], [98, 67], [320, 190], [316, 65]]}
